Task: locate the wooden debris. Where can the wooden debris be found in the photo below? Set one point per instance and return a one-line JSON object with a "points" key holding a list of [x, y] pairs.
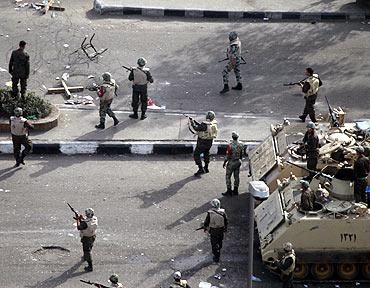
{"points": [[60, 90], [51, 7]]}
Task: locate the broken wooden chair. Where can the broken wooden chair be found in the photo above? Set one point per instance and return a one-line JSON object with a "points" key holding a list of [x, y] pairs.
{"points": [[90, 50]]}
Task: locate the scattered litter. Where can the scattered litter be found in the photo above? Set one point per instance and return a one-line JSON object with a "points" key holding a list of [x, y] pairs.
{"points": [[151, 105], [66, 45], [3, 70], [67, 67], [43, 86], [1, 190], [266, 19], [217, 276], [8, 84], [57, 78], [357, 283], [172, 260], [90, 76], [6, 36], [337, 286], [104, 199], [256, 279], [35, 6], [199, 250], [205, 285], [305, 285], [223, 269], [53, 15], [28, 29], [7, 191]]}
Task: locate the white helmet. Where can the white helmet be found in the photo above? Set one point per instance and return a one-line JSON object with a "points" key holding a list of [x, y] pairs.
{"points": [[288, 246], [216, 203], [177, 275], [89, 212], [18, 112]]}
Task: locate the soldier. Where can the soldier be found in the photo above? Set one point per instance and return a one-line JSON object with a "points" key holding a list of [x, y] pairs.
{"points": [[19, 129], [113, 279], [178, 282], [140, 77], [361, 169], [310, 88], [286, 265], [206, 131], [106, 93], [216, 224], [87, 227], [233, 53], [312, 145], [233, 161], [19, 68], [307, 196]]}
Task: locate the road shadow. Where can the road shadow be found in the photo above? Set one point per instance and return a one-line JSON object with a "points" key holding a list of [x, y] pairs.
{"points": [[53, 282], [157, 196], [8, 172]]}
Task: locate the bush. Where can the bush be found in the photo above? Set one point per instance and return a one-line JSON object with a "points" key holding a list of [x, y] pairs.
{"points": [[33, 107]]}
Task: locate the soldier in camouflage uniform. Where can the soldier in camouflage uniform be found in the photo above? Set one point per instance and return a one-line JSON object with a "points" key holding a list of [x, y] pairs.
{"points": [[19, 68], [106, 94], [233, 53], [233, 161]]}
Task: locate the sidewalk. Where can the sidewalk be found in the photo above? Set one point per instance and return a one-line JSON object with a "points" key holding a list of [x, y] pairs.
{"points": [[272, 9], [161, 132]]}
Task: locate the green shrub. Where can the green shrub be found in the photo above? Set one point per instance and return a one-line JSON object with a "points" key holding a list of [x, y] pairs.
{"points": [[33, 106]]}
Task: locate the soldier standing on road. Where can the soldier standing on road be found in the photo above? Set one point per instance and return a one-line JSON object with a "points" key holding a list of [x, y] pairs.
{"points": [[310, 88], [312, 145], [307, 196], [207, 131], [233, 53], [361, 169], [233, 161], [178, 282], [216, 224], [286, 265], [140, 77], [19, 68], [19, 129], [87, 227], [106, 93]]}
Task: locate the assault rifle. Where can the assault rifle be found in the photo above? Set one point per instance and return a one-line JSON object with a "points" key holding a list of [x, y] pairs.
{"points": [[333, 118], [186, 115], [94, 283], [299, 83], [227, 58], [77, 216], [127, 68], [200, 228], [312, 171]]}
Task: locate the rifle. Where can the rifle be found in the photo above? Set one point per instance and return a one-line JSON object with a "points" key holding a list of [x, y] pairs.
{"points": [[333, 118], [295, 83], [77, 216], [200, 228], [227, 58], [186, 115], [94, 283], [127, 68], [312, 171]]}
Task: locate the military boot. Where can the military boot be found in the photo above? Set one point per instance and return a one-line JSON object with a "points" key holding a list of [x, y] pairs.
{"points": [[115, 121], [236, 191], [200, 171], [143, 116], [22, 158], [89, 267], [134, 115], [239, 86], [302, 117], [226, 89], [205, 168], [101, 125], [228, 192]]}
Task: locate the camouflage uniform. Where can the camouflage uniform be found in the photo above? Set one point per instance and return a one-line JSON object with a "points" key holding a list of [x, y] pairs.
{"points": [[19, 68], [234, 62], [234, 156]]}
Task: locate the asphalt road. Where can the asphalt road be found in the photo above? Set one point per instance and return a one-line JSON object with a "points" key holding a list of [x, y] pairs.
{"points": [[183, 56], [148, 209]]}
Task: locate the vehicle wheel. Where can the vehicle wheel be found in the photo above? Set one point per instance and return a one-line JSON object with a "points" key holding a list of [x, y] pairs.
{"points": [[347, 271], [366, 271], [322, 271], [301, 271]]}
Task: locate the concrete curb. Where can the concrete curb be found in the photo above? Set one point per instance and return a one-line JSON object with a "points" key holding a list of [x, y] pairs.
{"points": [[120, 147], [102, 8]]}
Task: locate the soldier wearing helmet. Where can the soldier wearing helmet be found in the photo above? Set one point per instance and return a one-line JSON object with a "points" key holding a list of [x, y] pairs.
{"points": [[113, 279], [19, 68], [312, 145], [216, 224], [307, 196], [233, 53], [233, 161], [178, 282], [206, 131], [140, 77], [361, 169], [286, 265], [19, 129], [87, 226], [310, 87], [106, 93]]}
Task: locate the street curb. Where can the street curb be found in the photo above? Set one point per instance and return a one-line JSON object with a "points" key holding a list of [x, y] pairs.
{"points": [[102, 8], [121, 147]]}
